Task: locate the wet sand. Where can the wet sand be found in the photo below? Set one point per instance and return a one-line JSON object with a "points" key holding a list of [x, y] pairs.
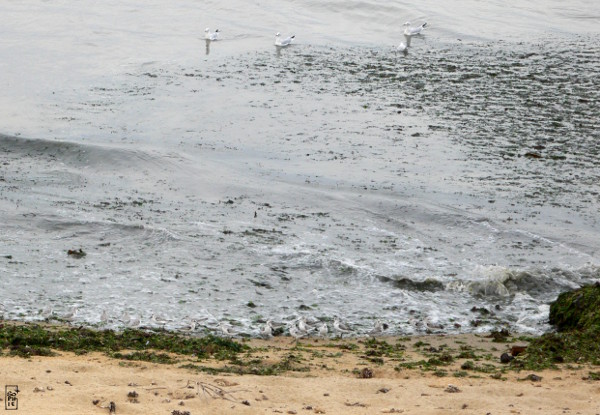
{"points": [[327, 378]]}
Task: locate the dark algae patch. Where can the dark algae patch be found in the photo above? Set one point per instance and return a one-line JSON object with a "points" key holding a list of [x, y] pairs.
{"points": [[288, 363], [577, 310], [576, 314], [145, 356]]}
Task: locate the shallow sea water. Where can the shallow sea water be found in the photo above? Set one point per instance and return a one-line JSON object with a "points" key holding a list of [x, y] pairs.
{"points": [[235, 182]]}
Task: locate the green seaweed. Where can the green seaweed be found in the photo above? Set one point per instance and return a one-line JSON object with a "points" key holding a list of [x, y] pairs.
{"points": [[551, 349], [576, 314], [381, 348], [145, 356], [577, 310], [254, 367], [26, 338]]}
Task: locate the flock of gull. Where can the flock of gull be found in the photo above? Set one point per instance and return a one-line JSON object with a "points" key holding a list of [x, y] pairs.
{"points": [[280, 41], [298, 327]]}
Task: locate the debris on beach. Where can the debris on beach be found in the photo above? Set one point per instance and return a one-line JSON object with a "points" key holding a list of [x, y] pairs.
{"points": [[366, 373], [76, 253], [132, 396], [533, 377], [517, 350], [452, 389]]}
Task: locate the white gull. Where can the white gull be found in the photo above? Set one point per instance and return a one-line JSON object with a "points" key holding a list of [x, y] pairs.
{"points": [[208, 35], [283, 42], [410, 31]]}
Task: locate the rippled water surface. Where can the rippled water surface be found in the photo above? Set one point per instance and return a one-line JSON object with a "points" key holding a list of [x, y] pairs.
{"points": [[452, 188]]}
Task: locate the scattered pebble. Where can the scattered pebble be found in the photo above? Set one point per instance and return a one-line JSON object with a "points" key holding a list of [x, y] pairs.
{"points": [[225, 382], [533, 378], [383, 390], [366, 373], [360, 404], [452, 389], [246, 403]]}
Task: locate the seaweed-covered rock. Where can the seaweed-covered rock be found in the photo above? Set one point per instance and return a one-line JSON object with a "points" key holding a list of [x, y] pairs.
{"points": [[577, 310]]}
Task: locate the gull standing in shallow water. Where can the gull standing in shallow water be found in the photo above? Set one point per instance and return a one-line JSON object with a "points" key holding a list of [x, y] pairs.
{"points": [[161, 321], [378, 329], [266, 331], [295, 333], [340, 327], [47, 312], [302, 326], [208, 35], [226, 330], [134, 322], [410, 31], [283, 42], [189, 327], [104, 317], [70, 316], [323, 330]]}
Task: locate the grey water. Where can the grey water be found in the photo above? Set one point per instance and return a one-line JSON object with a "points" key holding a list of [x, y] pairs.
{"points": [[455, 188]]}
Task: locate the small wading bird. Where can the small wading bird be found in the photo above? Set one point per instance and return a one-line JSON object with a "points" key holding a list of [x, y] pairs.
{"points": [[161, 321], [104, 317], [266, 331], [378, 329], [130, 321], [71, 314], [323, 330], [302, 326], [226, 330], [295, 333], [47, 313], [208, 35], [283, 42], [190, 326], [134, 322]]}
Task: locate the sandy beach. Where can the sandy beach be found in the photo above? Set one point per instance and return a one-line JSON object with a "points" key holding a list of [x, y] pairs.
{"points": [[356, 376]]}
